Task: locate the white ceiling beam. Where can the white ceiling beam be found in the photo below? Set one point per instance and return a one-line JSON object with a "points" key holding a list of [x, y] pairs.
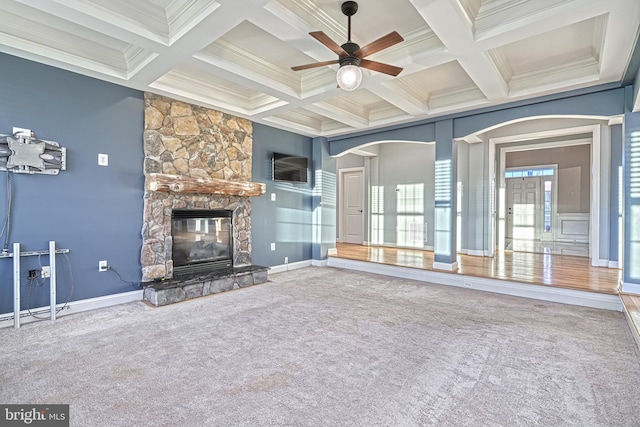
{"points": [[339, 115], [451, 26], [400, 99]]}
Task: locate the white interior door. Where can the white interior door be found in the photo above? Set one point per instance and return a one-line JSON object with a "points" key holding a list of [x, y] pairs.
{"points": [[353, 206], [524, 208]]}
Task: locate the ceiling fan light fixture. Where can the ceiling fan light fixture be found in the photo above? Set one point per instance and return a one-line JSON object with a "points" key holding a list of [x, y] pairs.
{"points": [[349, 77]]}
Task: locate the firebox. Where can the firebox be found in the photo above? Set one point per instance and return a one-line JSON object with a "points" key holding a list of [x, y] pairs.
{"points": [[202, 240]]}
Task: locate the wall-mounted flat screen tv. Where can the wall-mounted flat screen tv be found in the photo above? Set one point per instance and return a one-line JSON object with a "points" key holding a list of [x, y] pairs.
{"points": [[290, 168]]}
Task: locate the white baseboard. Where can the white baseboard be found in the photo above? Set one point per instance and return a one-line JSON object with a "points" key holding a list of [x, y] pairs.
{"points": [[291, 266], [319, 262], [539, 292], [445, 266], [394, 245], [74, 307], [475, 252], [631, 288]]}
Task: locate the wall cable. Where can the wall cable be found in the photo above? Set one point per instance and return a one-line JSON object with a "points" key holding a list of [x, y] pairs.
{"points": [[134, 284], [6, 227], [38, 283]]}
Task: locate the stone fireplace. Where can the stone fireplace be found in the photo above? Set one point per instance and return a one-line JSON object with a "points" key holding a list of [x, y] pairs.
{"points": [[195, 159]]}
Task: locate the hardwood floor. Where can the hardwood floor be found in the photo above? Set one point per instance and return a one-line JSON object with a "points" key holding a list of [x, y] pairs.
{"points": [[631, 305], [562, 271]]}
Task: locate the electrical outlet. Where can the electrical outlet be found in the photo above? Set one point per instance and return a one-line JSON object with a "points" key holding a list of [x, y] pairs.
{"points": [[46, 272], [286, 260], [21, 131], [273, 246], [273, 197], [33, 274], [102, 266]]}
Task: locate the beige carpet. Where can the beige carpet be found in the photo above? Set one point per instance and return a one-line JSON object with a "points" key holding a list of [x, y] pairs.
{"points": [[331, 347]]}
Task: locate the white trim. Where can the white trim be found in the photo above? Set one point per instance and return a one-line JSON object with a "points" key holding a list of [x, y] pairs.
{"points": [[613, 264], [319, 262], [631, 288], [559, 225], [79, 306], [506, 287], [475, 252], [393, 245], [445, 266], [290, 266], [594, 220], [595, 130], [616, 120]]}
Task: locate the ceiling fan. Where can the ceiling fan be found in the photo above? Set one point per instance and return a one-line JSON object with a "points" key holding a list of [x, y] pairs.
{"points": [[351, 55]]}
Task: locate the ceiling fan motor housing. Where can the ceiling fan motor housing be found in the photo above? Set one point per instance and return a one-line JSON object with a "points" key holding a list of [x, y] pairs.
{"points": [[349, 8]]}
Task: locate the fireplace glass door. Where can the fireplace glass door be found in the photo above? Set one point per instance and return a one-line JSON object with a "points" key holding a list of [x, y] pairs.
{"points": [[202, 240]]}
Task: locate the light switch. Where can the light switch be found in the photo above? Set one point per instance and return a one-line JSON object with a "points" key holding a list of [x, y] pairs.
{"points": [[103, 159], [273, 197]]}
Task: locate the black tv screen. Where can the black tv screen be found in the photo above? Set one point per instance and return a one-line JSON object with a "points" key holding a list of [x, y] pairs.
{"points": [[290, 168]]}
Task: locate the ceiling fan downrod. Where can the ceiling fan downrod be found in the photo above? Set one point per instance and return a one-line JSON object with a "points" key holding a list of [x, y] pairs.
{"points": [[349, 8]]}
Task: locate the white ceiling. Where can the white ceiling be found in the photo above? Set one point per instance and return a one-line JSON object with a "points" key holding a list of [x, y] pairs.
{"points": [[236, 55]]}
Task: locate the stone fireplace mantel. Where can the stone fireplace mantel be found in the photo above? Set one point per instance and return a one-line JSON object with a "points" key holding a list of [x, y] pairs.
{"points": [[185, 184]]}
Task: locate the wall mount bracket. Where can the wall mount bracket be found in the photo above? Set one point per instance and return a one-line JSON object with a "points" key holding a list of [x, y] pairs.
{"points": [[21, 153]]}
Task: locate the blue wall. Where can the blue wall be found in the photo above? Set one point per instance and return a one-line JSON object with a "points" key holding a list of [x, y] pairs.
{"points": [[287, 221], [600, 102], [94, 211]]}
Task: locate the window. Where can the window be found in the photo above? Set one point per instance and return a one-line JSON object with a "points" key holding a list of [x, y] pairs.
{"points": [[548, 185], [410, 209], [377, 215]]}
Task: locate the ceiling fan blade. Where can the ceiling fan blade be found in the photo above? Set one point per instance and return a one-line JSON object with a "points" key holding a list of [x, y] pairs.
{"points": [[376, 46], [325, 40], [392, 70], [314, 65]]}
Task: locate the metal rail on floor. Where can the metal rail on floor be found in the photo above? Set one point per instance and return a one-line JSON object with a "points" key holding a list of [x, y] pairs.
{"points": [[17, 255]]}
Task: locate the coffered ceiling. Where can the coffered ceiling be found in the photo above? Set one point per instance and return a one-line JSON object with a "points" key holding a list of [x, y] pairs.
{"points": [[236, 55]]}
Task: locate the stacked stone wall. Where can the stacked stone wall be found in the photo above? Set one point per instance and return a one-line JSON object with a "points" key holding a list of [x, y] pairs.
{"points": [[189, 140]]}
